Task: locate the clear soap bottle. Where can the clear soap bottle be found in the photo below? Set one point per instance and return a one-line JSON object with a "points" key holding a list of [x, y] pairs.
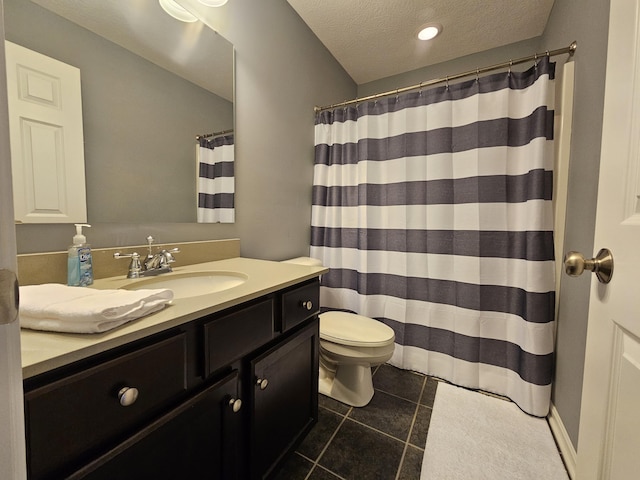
{"points": [[79, 260]]}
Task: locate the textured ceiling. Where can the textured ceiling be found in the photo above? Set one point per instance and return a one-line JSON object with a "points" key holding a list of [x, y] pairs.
{"points": [[374, 39]]}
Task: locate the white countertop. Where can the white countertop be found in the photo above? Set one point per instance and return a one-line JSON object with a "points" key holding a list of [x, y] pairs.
{"points": [[44, 351]]}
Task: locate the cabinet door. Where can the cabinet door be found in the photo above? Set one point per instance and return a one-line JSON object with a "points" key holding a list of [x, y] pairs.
{"points": [[285, 398], [197, 440]]}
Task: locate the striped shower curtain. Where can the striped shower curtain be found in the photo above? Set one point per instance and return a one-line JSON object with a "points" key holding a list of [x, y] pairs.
{"points": [[216, 181], [433, 212]]}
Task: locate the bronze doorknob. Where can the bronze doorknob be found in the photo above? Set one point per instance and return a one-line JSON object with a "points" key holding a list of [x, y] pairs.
{"points": [[601, 265]]}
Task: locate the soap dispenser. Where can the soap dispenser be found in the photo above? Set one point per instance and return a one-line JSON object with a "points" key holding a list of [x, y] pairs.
{"points": [[79, 261]]}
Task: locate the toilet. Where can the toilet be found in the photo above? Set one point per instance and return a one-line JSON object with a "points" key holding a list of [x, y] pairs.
{"points": [[350, 345]]}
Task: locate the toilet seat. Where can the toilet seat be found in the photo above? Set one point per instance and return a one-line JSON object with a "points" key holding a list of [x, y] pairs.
{"points": [[354, 330]]}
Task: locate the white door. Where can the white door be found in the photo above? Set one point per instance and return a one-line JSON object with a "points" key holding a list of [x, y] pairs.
{"points": [[47, 143], [609, 440], [12, 445]]}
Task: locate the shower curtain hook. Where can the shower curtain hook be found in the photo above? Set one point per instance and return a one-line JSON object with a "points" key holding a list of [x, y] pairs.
{"points": [[446, 79], [510, 65], [477, 75], [420, 89], [397, 93], [535, 60]]}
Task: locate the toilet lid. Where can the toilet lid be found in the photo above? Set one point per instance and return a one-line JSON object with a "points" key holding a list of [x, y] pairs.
{"points": [[355, 330]]}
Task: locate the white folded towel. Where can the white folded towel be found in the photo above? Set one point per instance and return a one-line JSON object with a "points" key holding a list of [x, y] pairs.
{"points": [[60, 308]]}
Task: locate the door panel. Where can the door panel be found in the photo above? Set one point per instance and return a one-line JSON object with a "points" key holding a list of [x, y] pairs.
{"points": [[624, 423], [13, 462], [608, 442]]}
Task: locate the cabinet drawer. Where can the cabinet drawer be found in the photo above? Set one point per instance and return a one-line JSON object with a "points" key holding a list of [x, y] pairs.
{"points": [[195, 441], [231, 336], [75, 418], [299, 304]]}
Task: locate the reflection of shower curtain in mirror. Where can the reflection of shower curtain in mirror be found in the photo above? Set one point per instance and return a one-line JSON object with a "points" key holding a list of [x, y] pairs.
{"points": [[433, 212], [216, 183]]}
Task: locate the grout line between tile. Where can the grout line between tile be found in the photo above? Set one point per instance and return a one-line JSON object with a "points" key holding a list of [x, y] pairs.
{"points": [[406, 442], [376, 430], [330, 471], [413, 422], [418, 374], [329, 409], [398, 396], [315, 463]]}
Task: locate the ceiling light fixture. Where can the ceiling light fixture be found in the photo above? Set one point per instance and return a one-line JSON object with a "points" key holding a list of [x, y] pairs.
{"points": [[177, 12], [213, 3], [429, 32]]}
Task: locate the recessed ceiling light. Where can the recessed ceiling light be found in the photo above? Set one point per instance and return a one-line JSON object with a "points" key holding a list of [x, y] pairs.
{"points": [[213, 3], [177, 12], [430, 31]]}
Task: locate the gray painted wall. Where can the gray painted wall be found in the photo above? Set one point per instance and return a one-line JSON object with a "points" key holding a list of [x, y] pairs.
{"points": [[587, 22], [282, 72]]}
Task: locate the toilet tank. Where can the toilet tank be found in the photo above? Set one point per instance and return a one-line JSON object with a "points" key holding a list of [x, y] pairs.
{"points": [[312, 262]]}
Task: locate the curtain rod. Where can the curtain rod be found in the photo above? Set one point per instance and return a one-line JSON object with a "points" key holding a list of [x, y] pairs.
{"points": [[214, 134], [570, 50]]}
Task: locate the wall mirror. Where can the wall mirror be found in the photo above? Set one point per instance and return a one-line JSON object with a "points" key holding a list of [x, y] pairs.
{"points": [[150, 84]]}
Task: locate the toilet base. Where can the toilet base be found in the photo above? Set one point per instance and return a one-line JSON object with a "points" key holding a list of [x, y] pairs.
{"points": [[350, 384]]}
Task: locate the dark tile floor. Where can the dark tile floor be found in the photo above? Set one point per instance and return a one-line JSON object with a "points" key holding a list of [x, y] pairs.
{"points": [[384, 440]]}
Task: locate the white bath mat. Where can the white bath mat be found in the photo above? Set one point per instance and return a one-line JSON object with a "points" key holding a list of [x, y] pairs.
{"points": [[475, 436]]}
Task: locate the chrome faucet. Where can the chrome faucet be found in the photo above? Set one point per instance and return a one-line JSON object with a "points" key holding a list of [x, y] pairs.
{"points": [[154, 264]]}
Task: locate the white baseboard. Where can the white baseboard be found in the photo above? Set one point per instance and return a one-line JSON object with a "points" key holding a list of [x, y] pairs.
{"points": [[562, 439]]}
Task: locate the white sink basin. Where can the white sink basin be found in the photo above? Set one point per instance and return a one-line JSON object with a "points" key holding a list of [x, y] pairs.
{"points": [[192, 284]]}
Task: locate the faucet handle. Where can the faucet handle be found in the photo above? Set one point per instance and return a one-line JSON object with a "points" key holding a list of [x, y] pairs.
{"points": [[132, 256], [150, 241], [167, 256], [134, 267]]}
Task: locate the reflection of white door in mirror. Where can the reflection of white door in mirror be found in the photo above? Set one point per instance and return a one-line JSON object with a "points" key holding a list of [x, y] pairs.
{"points": [[45, 122]]}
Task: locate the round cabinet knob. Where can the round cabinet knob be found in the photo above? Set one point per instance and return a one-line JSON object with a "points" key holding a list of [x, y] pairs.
{"points": [[235, 404], [602, 265], [308, 304], [262, 383], [127, 396]]}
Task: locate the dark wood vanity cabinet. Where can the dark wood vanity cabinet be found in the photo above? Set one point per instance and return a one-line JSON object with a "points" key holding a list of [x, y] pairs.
{"points": [[284, 398], [223, 397]]}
